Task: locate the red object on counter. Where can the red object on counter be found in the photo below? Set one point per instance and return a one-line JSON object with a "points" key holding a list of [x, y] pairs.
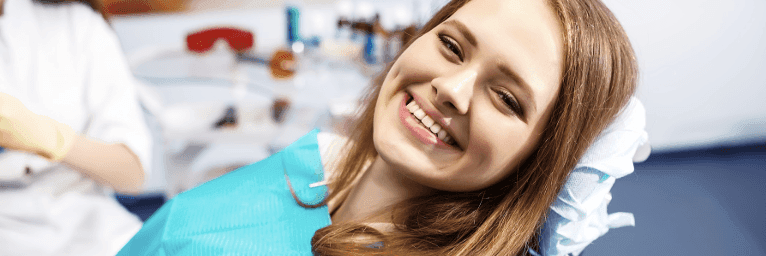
{"points": [[239, 40]]}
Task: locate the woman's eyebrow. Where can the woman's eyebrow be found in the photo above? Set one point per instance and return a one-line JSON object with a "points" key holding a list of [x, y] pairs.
{"points": [[463, 30]]}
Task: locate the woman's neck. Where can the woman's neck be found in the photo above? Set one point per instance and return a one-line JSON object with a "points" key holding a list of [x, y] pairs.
{"points": [[379, 188]]}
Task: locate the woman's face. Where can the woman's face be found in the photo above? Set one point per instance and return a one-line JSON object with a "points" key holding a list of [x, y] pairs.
{"points": [[484, 82]]}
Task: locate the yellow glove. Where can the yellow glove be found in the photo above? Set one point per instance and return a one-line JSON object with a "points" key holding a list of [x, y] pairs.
{"points": [[20, 129]]}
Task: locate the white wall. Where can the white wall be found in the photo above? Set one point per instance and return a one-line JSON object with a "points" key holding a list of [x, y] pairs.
{"points": [[702, 69]]}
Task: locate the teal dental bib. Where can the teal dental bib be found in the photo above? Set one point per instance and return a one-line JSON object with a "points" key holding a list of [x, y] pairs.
{"points": [[249, 211]]}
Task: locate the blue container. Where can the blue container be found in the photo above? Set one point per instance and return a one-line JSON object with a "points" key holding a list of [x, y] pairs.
{"points": [[369, 49], [293, 22]]}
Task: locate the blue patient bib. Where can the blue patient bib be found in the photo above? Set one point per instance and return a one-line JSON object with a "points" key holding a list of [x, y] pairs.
{"points": [[249, 211]]}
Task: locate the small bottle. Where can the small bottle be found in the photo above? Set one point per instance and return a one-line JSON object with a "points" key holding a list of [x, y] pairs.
{"points": [[369, 48], [293, 28]]}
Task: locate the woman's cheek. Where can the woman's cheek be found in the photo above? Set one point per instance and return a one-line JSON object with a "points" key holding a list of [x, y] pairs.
{"points": [[420, 62], [496, 143]]}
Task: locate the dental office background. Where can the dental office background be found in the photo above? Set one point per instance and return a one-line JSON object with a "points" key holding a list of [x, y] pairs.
{"points": [[701, 192]]}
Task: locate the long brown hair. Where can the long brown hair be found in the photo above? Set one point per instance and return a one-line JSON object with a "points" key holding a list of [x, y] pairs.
{"points": [[599, 76]]}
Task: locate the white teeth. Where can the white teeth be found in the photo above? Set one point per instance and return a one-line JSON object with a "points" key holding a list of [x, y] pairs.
{"points": [[419, 114], [412, 106], [442, 134], [427, 121], [436, 128]]}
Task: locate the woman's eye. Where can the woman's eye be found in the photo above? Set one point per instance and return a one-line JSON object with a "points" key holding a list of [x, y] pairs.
{"points": [[452, 45], [510, 102]]}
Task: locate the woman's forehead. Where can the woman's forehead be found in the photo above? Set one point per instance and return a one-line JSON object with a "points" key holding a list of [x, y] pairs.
{"points": [[528, 25]]}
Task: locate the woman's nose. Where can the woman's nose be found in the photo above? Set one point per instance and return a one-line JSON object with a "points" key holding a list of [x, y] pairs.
{"points": [[455, 90]]}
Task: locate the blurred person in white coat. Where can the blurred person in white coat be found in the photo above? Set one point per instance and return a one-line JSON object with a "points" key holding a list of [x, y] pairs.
{"points": [[72, 132]]}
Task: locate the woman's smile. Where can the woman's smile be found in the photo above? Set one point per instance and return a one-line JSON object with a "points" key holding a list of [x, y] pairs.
{"points": [[426, 124]]}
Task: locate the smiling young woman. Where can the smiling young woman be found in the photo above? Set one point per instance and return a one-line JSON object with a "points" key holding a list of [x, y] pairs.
{"points": [[474, 128], [462, 146]]}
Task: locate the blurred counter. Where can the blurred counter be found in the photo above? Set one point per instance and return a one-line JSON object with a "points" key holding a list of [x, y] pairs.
{"points": [[186, 94]]}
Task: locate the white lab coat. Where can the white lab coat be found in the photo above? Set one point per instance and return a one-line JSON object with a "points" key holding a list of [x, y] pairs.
{"points": [[65, 62]]}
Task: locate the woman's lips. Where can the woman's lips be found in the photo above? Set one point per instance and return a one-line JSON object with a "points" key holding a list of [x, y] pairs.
{"points": [[418, 130]]}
